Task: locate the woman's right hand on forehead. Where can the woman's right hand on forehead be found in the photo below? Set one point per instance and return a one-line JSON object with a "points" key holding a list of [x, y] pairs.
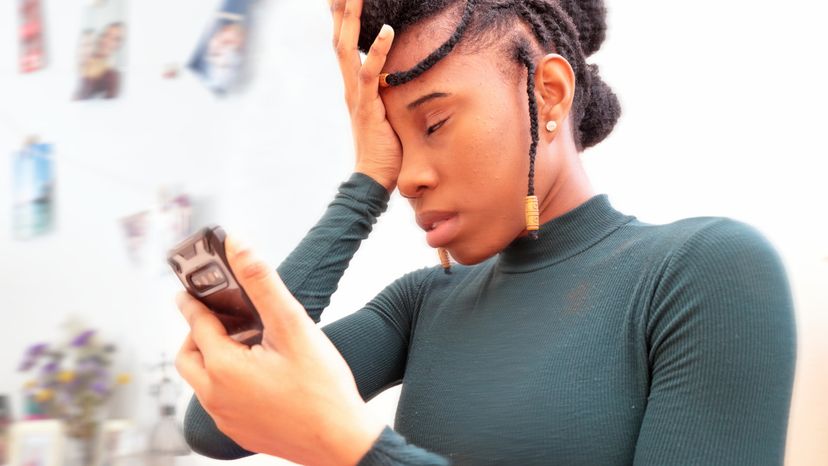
{"points": [[378, 149]]}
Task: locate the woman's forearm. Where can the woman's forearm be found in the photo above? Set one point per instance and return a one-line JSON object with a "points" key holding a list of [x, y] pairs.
{"points": [[313, 269]]}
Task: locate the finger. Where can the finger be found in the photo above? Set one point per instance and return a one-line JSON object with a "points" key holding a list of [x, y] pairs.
{"points": [[374, 61], [337, 10], [279, 310], [207, 331], [190, 364], [346, 48]]}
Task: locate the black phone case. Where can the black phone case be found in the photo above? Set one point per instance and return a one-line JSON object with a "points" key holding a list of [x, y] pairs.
{"points": [[204, 252]]}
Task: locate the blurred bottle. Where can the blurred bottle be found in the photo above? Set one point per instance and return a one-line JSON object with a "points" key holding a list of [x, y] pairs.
{"points": [[5, 422]]}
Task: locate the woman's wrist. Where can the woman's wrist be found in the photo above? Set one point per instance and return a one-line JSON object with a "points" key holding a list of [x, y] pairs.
{"points": [[352, 443], [376, 175]]}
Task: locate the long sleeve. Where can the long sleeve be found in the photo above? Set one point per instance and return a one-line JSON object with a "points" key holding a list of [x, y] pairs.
{"points": [[722, 351], [373, 341], [312, 271]]}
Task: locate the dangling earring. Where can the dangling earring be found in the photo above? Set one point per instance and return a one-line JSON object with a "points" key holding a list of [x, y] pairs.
{"points": [[444, 259], [552, 126], [532, 216]]}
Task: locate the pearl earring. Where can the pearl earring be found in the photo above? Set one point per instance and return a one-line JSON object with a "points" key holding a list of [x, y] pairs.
{"points": [[552, 126]]}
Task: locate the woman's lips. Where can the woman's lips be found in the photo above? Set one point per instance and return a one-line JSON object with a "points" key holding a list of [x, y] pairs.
{"points": [[440, 228]]}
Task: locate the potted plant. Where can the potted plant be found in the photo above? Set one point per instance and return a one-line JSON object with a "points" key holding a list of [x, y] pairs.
{"points": [[71, 381]]}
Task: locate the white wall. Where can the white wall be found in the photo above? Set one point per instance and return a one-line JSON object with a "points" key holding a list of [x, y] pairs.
{"points": [[723, 112]]}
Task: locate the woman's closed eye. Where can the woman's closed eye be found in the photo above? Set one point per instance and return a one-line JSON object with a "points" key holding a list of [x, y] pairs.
{"points": [[432, 129]]}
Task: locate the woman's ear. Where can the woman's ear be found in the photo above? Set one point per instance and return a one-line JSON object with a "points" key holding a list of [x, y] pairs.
{"points": [[555, 84]]}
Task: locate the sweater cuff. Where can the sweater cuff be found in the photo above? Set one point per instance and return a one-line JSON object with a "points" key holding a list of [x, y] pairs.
{"points": [[391, 449], [364, 189]]}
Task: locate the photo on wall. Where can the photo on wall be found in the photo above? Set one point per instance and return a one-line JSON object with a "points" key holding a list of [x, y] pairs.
{"points": [[33, 186], [150, 233], [136, 229], [37, 443], [32, 42], [220, 56], [100, 55]]}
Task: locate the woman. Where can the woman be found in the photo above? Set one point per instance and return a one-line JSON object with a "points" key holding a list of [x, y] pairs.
{"points": [[593, 339]]}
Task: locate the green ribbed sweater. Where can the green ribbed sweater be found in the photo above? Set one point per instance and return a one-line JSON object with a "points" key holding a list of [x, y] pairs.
{"points": [[607, 341]]}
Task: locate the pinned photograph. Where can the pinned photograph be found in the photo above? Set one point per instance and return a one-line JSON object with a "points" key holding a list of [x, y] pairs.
{"points": [[112, 442], [33, 186], [32, 49], [220, 56], [149, 233], [100, 50], [136, 230], [36, 443]]}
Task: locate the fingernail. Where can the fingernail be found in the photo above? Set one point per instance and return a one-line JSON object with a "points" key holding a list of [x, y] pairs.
{"points": [[385, 32], [233, 245], [180, 298]]}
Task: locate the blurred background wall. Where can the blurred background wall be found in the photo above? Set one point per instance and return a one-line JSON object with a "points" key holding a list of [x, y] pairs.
{"points": [[724, 114]]}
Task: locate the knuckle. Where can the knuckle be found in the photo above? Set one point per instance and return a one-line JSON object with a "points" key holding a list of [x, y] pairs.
{"points": [[337, 5], [255, 270], [376, 50], [179, 361], [366, 76], [341, 50], [196, 319]]}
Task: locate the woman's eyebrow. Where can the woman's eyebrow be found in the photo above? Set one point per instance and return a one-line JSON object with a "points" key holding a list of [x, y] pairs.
{"points": [[426, 98]]}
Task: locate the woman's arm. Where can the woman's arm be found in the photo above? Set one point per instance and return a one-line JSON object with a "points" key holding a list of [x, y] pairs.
{"points": [[312, 271], [722, 348], [373, 340], [374, 343]]}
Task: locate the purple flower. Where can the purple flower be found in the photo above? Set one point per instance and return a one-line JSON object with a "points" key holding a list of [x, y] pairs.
{"points": [[36, 350], [102, 373], [100, 387], [50, 368], [26, 365], [82, 339], [87, 366]]}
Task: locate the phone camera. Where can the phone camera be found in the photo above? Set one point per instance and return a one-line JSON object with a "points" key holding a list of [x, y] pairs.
{"points": [[207, 277]]}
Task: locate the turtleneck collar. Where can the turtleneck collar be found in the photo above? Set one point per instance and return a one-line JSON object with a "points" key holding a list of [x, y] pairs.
{"points": [[563, 236]]}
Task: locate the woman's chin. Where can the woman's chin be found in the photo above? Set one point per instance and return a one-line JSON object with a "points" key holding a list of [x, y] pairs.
{"points": [[466, 257]]}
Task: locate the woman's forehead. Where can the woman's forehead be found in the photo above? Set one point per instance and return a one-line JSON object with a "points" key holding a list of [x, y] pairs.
{"points": [[457, 74], [419, 40]]}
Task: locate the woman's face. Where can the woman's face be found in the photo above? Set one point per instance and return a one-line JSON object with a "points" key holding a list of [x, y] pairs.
{"points": [[474, 161]]}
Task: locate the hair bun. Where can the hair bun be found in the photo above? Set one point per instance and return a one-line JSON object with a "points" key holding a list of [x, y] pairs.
{"points": [[590, 17], [601, 112]]}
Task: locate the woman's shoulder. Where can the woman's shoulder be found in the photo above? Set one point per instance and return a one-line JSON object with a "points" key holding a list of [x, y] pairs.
{"points": [[717, 238], [702, 238], [716, 252]]}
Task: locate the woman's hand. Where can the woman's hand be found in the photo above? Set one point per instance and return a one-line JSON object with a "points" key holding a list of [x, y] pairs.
{"points": [[293, 396], [378, 149]]}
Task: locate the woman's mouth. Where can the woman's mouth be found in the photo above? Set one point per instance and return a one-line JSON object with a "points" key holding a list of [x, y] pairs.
{"points": [[440, 227]]}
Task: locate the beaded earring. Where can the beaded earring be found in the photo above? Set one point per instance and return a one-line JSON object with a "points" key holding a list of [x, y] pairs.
{"points": [[532, 216], [444, 260]]}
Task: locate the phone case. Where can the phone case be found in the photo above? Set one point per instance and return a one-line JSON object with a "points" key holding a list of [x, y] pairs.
{"points": [[200, 262]]}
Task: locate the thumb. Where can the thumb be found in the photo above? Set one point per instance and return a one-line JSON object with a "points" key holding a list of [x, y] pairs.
{"points": [[282, 314]]}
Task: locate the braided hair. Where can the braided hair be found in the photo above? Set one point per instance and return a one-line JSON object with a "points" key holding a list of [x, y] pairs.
{"points": [[574, 29]]}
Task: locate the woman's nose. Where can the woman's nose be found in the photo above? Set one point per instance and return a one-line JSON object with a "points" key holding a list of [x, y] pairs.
{"points": [[416, 176]]}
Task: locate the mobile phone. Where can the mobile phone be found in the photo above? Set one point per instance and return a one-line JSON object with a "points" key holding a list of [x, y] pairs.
{"points": [[200, 262]]}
